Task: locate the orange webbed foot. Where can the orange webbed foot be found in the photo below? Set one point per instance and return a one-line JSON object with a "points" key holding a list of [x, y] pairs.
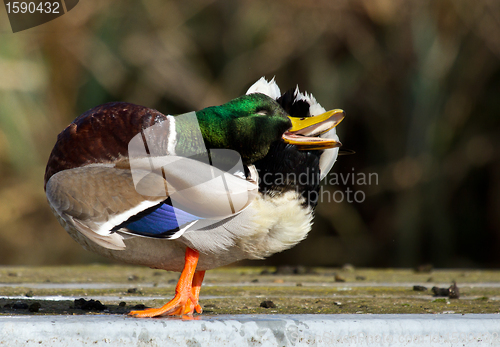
{"points": [[179, 305], [187, 292]]}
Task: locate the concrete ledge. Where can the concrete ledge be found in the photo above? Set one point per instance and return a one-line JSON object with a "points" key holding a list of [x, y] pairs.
{"points": [[253, 330]]}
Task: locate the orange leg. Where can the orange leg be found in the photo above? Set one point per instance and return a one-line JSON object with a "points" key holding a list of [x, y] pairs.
{"points": [[187, 291], [196, 287]]}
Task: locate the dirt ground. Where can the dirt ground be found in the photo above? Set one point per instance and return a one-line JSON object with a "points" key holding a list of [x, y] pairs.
{"points": [[249, 290]]}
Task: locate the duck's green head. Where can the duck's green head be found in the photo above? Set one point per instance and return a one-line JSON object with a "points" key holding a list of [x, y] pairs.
{"points": [[248, 124], [251, 123]]}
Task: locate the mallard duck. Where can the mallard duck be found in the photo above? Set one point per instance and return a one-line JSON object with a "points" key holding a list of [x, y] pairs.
{"points": [[196, 191]]}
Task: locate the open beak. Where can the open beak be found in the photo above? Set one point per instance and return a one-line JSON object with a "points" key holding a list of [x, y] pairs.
{"points": [[305, 132]]}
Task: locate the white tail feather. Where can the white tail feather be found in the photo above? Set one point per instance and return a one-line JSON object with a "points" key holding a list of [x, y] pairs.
{"points": [[262, 86]]}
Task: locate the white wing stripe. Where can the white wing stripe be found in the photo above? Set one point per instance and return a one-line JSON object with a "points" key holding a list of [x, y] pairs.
{"points": [[105, 228]]}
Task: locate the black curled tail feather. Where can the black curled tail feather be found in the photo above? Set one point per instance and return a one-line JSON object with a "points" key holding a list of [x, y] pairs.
{"points": [[285, 168], [295, 108]]}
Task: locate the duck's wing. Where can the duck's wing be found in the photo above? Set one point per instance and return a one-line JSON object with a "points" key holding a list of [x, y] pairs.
{"points": [[107, 201]]}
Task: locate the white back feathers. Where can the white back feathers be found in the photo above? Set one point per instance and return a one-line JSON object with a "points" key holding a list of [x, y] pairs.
{"points": [[262, 86]]}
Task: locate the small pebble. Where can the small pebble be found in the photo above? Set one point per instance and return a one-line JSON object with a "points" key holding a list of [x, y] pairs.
{"points": [[89, 305], [255, 280], [419, 288], [360, 278], [34, 307], [133, 278], [453, 291], [299, 284], [122, 304], [20, 306], [132, 290], [267, 304], [292, 270], [279, 280], [440, 291], [339, 278], [301, 270], [139, 307], [29, 294]]}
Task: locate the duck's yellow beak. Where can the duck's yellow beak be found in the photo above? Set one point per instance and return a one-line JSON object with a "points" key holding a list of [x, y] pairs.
{"points": [[305, 132]]}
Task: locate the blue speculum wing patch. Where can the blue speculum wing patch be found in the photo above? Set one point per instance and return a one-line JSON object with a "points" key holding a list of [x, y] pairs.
{"points": [[161, 221]]}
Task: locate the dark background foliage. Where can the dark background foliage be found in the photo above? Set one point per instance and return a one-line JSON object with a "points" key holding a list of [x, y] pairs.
{"points": [[418, 79]]}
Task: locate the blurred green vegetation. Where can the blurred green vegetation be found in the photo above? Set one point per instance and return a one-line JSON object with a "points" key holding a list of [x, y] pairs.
{"points": [[418, 79]]}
